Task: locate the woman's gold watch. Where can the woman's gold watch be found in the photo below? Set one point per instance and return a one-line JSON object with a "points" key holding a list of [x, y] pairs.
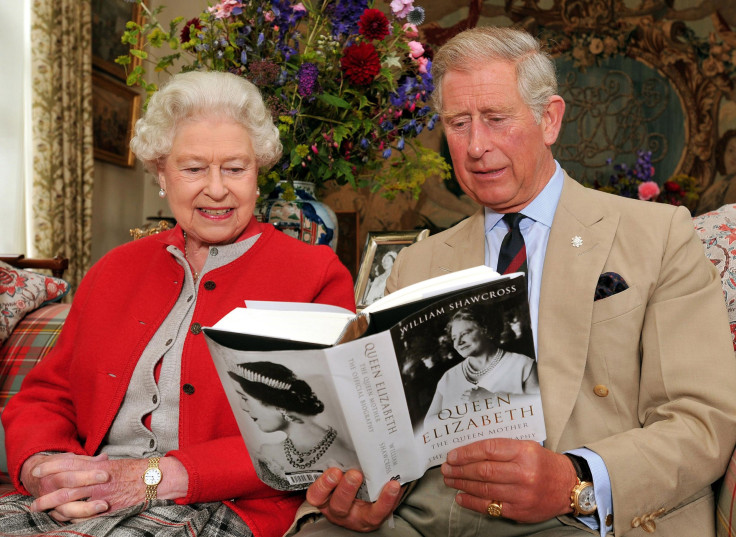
{"points": [[152, 477]]}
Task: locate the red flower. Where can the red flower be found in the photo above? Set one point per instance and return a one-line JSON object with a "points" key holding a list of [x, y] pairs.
{"points": [[11, 281], [360, 63], [671, 186], [185, 36], [373, 24]]}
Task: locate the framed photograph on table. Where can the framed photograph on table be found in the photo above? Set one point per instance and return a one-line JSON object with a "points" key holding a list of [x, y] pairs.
{"points": [[379, 254], [115, 109], [109, 18]]}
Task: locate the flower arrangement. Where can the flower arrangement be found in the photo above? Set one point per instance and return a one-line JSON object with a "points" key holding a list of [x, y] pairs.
{"points": [[347, 84], [637, 181]]}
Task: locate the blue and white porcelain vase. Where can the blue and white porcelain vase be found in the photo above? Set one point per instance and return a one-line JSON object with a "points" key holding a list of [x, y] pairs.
{"points": [[305, 218]]}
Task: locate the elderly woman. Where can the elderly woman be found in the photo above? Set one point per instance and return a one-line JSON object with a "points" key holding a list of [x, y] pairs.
{"points": [[125, 428], [486, 367], [277, 400]]}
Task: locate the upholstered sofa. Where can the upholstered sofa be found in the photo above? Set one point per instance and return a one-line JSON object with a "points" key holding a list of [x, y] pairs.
{"points": [[36, 334], [33, 335]]}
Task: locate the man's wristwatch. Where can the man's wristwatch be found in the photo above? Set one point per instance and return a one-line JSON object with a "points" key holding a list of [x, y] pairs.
{"points": [[582, 497], [152, 477]]}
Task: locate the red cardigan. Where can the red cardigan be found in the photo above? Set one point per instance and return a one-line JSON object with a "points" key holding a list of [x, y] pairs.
{"points": [[68, 401]]}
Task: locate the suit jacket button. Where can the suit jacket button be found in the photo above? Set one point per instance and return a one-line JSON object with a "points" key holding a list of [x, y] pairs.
{"points": [[195, 329], [600, 390], [188, 389], [609, 520], [209, 285]]}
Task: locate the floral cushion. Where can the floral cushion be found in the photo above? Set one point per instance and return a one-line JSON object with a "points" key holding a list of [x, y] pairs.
{"points": [[22, 291], [717, 230]]}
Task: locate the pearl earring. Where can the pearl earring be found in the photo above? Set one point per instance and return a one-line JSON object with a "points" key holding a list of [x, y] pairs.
{"points": [[258, 192], [161, 193]]}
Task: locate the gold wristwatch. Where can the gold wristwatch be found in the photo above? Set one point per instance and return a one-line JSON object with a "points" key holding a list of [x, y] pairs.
{"points": [[582, 499], [152, 477]]}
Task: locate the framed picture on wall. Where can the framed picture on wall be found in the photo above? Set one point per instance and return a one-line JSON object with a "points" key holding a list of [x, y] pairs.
{"points": [[379, 254], [115, 109], [108, 24]]}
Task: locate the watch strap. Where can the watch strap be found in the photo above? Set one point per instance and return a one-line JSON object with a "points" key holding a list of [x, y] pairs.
{"points": [[582, 469]]}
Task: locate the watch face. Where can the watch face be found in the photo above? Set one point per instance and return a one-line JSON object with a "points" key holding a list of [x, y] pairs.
{"points": [[152, 476], [586, 500]]}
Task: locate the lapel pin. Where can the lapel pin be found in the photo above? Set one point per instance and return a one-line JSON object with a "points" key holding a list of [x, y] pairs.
{"points": [[577, 241]]}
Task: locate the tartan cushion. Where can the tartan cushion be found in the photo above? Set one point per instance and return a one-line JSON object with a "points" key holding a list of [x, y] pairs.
{"points": [[30, 341]]}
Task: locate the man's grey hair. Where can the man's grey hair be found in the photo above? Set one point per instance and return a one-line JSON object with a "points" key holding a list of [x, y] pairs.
{"points": [[535, 71]]}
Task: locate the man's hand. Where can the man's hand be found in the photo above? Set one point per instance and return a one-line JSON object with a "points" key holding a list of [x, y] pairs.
{"points": [[533, 482], [334, 494]]}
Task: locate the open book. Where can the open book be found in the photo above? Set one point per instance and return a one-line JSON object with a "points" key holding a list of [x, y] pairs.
{"points": [[390, 390]]}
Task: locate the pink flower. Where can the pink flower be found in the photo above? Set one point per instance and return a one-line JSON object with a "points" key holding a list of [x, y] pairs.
{"points": [[401, 8], [224, 8], [410, 30], [269, 16], [298, 7], [422, 65], [648, 190], [415, 49]]}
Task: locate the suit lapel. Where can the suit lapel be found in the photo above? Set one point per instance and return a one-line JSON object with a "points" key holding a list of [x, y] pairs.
{"points": [[463, 249], [566, 300]]}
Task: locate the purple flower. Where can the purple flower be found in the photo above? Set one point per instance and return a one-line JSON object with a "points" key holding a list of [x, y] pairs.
{"points": [[386, 152], [400, 145], [346, 16], [307, 79]]}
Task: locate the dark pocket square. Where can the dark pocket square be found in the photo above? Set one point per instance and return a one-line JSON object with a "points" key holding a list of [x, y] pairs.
{"points": [[609, 283]]}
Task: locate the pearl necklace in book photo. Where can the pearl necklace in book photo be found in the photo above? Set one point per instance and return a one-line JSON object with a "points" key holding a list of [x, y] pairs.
{"points": [[473, 375], [297, 458]]}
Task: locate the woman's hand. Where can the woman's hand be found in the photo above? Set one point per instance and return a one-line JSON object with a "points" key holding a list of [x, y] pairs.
{"points": [[73, 487], [334, 494], [64, 481]]}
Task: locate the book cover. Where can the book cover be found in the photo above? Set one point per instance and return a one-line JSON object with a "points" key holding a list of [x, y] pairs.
{"points": [[390, 403]]}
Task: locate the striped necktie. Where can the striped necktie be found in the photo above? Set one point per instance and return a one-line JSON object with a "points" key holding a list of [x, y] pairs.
{"points": [[512, 256]]}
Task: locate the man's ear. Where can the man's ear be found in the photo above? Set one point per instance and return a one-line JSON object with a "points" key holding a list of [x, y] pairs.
{"points": [[552, 119]]}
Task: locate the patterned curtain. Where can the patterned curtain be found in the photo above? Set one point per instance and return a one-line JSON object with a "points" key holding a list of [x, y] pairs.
{"points": [[63, 165]]}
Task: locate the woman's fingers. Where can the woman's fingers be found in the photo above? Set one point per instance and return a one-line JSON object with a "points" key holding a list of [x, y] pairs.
{"points": [[77, 511], [64, 496]]}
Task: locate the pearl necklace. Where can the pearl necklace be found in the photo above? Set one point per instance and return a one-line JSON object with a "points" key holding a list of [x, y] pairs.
{"points": [[297, 458], [473, 375], [186, 256]]}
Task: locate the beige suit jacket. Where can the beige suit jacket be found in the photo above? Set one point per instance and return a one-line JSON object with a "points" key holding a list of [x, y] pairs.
{"points": [[665, 424]]}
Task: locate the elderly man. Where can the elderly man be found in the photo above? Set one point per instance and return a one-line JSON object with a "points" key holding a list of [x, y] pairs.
{"points": [[635, 361]]}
